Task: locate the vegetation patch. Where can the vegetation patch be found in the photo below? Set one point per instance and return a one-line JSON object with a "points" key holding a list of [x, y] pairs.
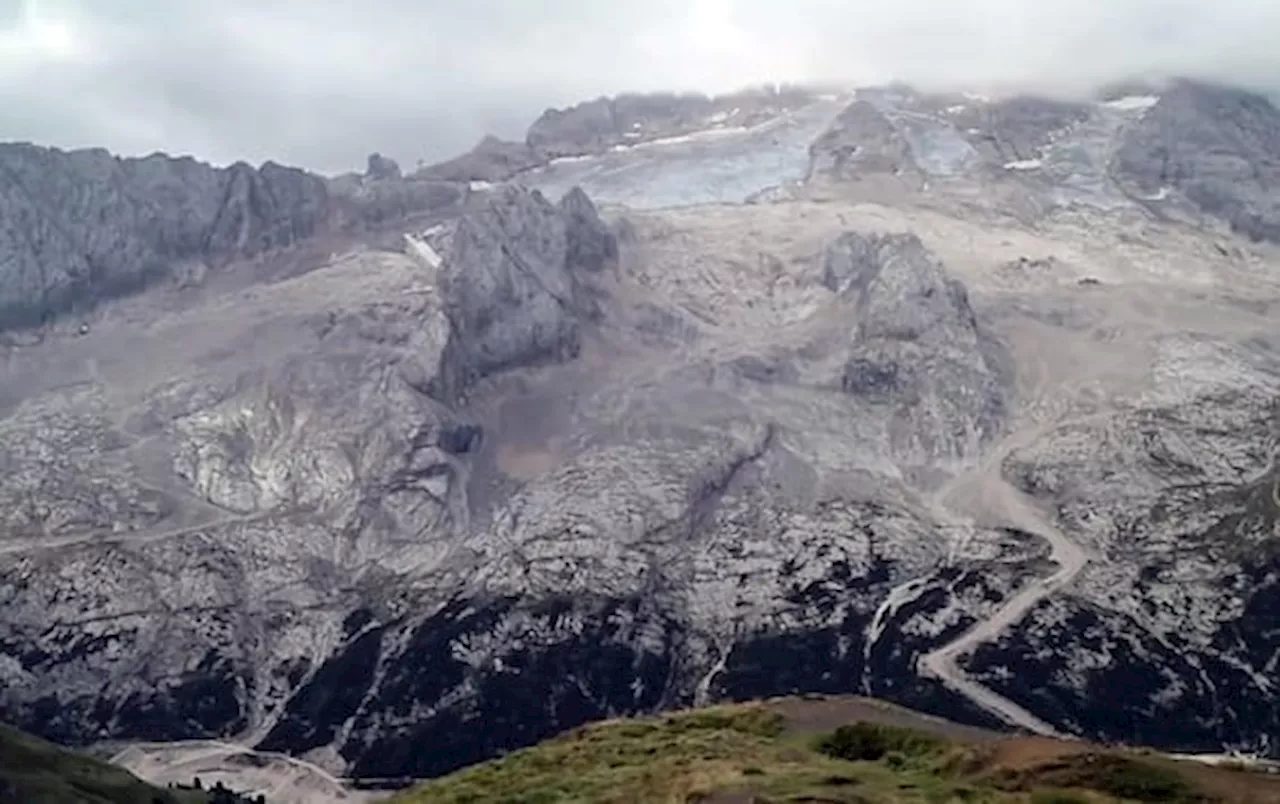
{"points": [[33, 771], [746, 754], [1123, 777], [873, 741]]}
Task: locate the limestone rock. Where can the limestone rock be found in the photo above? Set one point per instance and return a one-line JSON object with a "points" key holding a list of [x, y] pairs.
{"points": [[514, 283], [1218, 146], [491, 160]]}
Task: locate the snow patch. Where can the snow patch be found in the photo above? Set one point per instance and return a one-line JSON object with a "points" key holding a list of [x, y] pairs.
{"points": [[423, 250], [1133, 103], [1023, 164]]}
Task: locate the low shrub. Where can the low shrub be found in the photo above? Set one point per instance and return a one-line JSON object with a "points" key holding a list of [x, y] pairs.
{"points": [[872, 741]]}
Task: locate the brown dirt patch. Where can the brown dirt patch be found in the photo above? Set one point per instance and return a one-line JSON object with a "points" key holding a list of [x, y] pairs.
{"points": [[1024, 755]]}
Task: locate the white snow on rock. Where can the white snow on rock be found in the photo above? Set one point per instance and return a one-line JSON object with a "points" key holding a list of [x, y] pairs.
{"points": [[423, 250], [1133, 103]]}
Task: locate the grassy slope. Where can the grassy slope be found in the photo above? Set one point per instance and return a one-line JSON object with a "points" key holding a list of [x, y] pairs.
{"points": [[33, 771], [764, 753]]}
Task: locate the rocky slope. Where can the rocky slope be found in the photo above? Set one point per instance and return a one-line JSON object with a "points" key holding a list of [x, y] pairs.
{"points": [[82, 226], [926, 378]]}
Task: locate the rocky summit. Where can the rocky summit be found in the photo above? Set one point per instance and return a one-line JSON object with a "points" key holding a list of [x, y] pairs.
{"points": [[969, 403]]}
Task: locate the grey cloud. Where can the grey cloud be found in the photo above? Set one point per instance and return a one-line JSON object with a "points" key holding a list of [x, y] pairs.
{"points": [[321, 83]]}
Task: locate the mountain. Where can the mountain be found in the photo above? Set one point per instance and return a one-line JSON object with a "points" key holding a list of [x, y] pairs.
{"points": [[968, 403], [83, 226]]}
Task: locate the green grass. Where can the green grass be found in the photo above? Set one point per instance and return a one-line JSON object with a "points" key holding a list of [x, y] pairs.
{"points": [[686, 757], [33, 771], [738, 753]]}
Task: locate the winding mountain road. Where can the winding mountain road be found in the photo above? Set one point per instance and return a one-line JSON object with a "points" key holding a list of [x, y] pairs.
{"points": [[942, 662], [986, 493]]}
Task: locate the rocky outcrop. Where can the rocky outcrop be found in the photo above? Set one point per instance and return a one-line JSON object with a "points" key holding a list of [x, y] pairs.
{"points": [[860, 141], [84, 224], [492, 160], [1220, 147], [1167, 636], [1015, 129], [600, 124], [381, 167], [918, 347], [514, 282], [80, 226]]}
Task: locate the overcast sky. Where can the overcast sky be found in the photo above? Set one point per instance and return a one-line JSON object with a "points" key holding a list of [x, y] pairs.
{"points": [[321, 83]]}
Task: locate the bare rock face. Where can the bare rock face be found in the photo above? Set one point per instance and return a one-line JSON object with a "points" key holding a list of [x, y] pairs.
{"points": [[918, 347], [1016, 129], [860, 141], [595, 126], [1220, 147], [491, 160], [1171, 630], [515, 296], [80, 226], [272, 207]]}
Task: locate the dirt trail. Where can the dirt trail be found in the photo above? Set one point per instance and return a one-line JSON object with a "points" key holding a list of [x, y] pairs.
{"points": [[142, 536], [985, 494], [280, 777]]}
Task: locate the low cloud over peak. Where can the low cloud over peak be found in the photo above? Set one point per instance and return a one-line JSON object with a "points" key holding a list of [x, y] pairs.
{"points": [[321, 84]]}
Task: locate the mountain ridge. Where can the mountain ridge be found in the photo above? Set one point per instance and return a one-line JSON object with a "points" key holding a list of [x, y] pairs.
{"points": [[538, 455]]}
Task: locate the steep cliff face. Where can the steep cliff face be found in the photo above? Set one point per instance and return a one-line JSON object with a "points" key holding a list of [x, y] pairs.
{"points": [[918, 348], [1218, 146], [80, 226], [85, 224], [514, 282]]}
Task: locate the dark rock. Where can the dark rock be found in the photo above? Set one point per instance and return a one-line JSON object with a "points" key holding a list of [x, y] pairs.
{"points": [[381, 167], [592, 245], [859, 141], [868, 378], [272, 207], [1017, 128], [597, 125], [1220, 147], [581, 129], [460, 439], [492, 160], [433, 709]]}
